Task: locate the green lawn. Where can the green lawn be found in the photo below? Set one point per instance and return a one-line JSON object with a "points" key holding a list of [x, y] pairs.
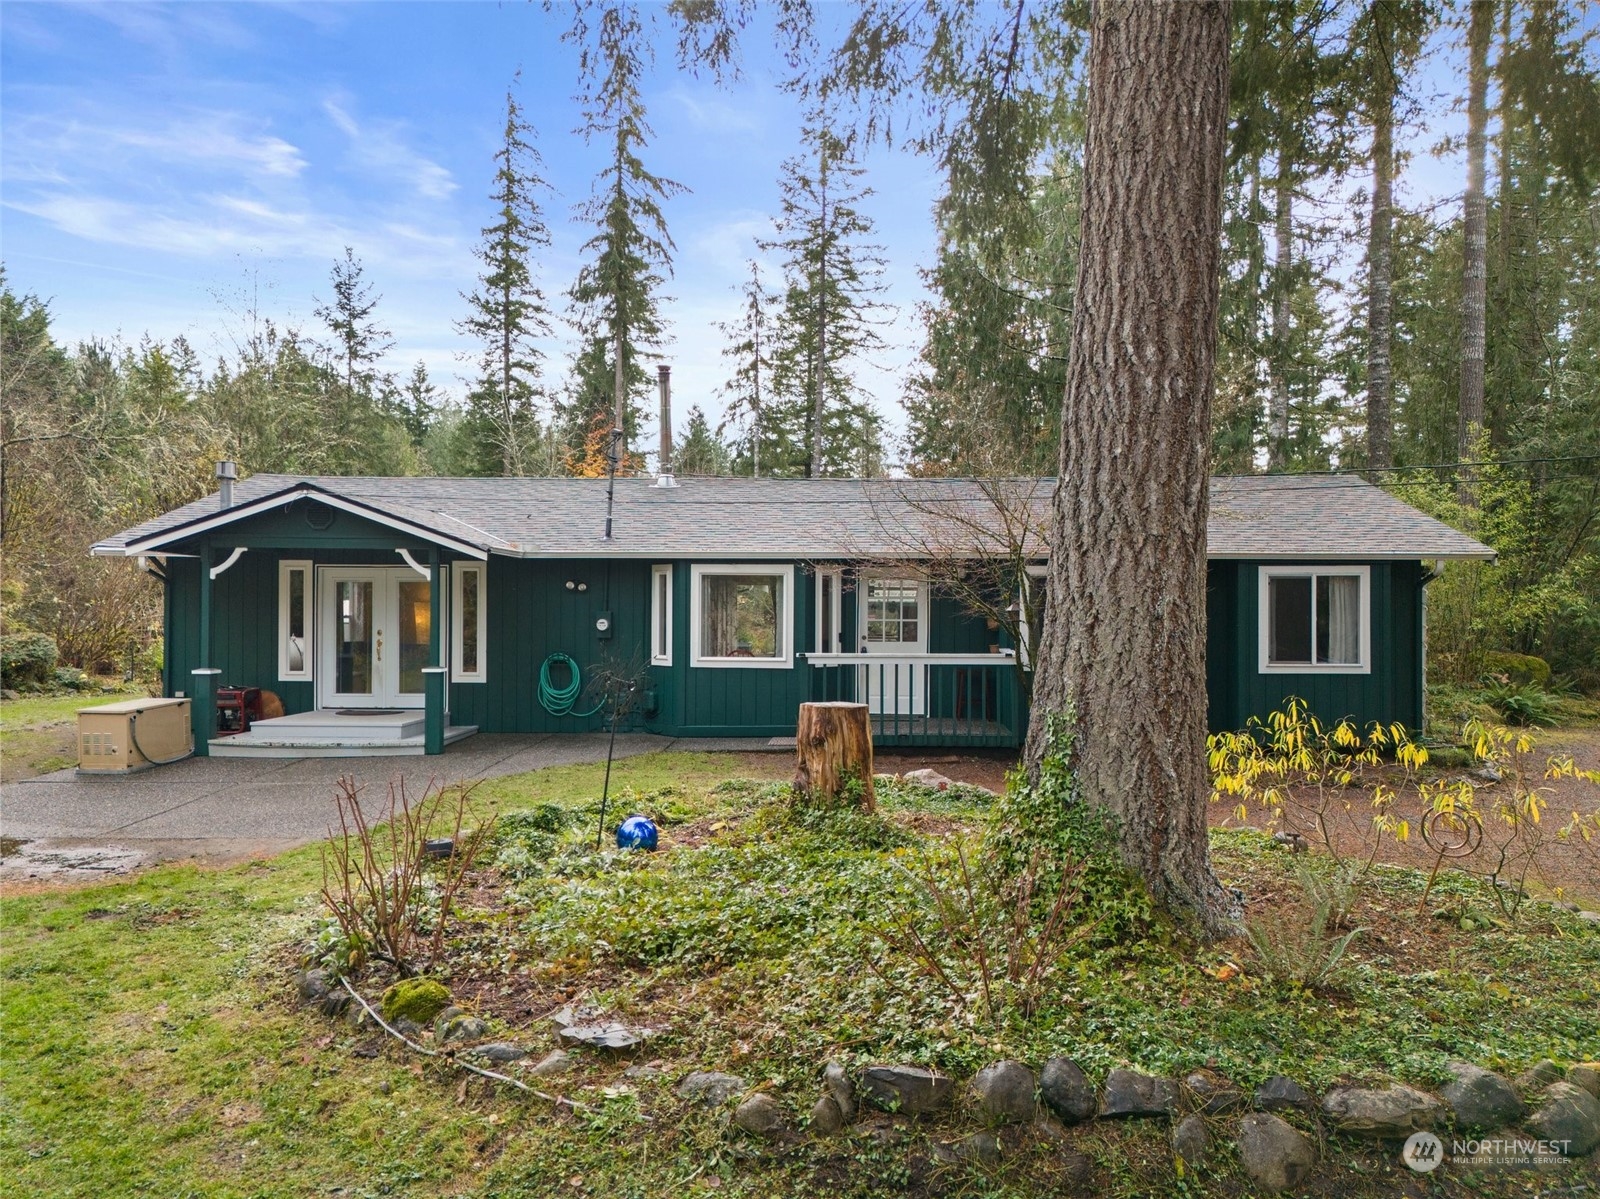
{"points": [[38, 734], [152, 1043]]}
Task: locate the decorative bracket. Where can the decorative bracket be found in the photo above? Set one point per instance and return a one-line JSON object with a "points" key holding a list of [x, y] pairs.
{"points": [[232, 558], [414, 564]]}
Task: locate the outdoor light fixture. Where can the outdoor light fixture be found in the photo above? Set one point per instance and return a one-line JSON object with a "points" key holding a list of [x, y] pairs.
{"points": [[571, 586], [575, 585]]}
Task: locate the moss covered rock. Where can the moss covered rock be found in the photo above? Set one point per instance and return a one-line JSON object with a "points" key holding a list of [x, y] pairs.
{"points": [[1521, 669], [419, 999]]}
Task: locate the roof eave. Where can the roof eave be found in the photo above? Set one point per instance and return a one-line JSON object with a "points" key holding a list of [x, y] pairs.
{"points": [[225, 517]]}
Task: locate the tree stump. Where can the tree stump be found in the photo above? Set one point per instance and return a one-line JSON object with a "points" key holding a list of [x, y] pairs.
{"points": [[833, 743]]}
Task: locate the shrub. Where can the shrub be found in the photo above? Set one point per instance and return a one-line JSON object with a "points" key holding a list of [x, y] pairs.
{"points": [[1521, 669], [1521, 703], [70, 678], [374, 881], [27, 659], [1296, 947], [1305, 774]]}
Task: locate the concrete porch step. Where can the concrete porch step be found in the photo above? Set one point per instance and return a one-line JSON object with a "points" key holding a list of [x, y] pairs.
{"points": [[256, 744], [350, 724]]}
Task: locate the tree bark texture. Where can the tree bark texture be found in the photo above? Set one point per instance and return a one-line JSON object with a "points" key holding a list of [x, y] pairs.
{"points": [[1125, 625], [1475, 252], [1380, 272], [1278, 360], [833, 750]]}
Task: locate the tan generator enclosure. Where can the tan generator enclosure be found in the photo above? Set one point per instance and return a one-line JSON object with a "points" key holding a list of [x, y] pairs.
{"points": [[133, 735]]}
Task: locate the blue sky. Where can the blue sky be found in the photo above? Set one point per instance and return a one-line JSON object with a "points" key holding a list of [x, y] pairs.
{"points": [[167, 167]]}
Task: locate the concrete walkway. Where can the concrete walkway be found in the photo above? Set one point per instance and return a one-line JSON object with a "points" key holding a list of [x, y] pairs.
{"points": [[225, 809]]}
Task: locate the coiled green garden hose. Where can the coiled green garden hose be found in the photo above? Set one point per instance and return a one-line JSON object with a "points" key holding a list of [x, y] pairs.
{"points": [[558, 701]]}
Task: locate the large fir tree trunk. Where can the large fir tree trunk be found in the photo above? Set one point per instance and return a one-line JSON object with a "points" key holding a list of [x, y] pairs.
{"points": [[1278, 360], [1476, 229], [1380, 267], [1124, 641]]}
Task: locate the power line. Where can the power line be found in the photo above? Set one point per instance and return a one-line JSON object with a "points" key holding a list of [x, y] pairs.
{"points": [[1373, 470]]}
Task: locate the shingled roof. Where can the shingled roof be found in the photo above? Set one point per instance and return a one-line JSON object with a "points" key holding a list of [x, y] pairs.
{"points": [[1258, 516]]}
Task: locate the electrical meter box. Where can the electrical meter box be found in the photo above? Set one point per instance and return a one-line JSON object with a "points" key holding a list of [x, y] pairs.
{"points": [[134, 735]]}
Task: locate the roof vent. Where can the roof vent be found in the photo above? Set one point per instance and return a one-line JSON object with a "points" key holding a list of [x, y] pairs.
{"points": [[227, 472], [666, 481]]}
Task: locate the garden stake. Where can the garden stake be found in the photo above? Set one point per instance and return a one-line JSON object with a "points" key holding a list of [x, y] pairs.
{"points": [[605, 788]]}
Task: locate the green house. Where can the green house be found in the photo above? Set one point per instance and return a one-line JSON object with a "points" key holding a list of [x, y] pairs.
{"points": [[395, 615]]}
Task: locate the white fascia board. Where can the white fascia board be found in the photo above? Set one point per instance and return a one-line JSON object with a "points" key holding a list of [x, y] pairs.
{"points": [[1392, 556], [265, 503]]}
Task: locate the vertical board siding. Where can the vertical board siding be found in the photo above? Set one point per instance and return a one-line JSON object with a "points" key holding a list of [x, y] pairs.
{"points": [[1391, 691], [531, 615]]}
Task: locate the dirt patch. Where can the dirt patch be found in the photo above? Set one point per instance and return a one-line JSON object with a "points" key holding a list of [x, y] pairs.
{"points": [[1569, 868]]}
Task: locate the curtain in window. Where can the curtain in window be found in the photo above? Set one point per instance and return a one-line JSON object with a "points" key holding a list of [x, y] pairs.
{"points": [[1340, 606], [721, 628]]}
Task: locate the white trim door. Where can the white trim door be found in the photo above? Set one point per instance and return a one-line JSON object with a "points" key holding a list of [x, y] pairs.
{"points": [[893, 622], [372, 637]]}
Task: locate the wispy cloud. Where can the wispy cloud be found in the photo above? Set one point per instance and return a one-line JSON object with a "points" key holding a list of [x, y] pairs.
{"points": [[714, 113], [380, 146], [57, 146]]}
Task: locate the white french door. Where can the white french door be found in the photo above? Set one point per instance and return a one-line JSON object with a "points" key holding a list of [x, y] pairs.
{"points": [[894, 621], [375, 622]]}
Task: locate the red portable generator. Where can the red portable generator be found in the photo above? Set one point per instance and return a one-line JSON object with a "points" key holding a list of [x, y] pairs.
{"points": [[236, 708]]}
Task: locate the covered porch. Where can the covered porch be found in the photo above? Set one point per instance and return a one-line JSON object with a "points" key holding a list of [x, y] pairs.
{"points": [[921, 699], [340, 609]]}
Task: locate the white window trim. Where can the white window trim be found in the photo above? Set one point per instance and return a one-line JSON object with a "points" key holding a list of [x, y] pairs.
{"points": [[785, 616], [1311, 571], [835, 611], [1032, 575], [458, 673], [660, 654], [308, 621]]}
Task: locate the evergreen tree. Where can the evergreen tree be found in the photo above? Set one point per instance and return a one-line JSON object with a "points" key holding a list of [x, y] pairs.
{"points": [[1284, 67], [1386, 41], [826, 326], [358, 340], [419, 404], [987, 399], [630, 253], [507, 314], [748, 389], [700, 451], [1475, 226]]}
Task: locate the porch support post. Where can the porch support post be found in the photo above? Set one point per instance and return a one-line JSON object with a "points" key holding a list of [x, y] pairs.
{"points": [[433, 709], [435, 607], [203, 709]]}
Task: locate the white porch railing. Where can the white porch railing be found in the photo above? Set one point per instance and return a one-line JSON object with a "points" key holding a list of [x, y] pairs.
{"points": [[926, 699]]}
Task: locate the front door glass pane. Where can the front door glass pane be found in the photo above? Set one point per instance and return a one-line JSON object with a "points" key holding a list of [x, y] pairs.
{"points": [[353, 639], [892, 611], [414, 621]]}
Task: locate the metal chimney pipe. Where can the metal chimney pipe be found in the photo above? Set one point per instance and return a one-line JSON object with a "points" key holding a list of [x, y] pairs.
{"points": [[227, 472], [664, 379]]}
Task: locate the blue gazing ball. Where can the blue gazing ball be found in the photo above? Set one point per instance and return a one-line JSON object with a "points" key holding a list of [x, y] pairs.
{"points": [[636, 832]]}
